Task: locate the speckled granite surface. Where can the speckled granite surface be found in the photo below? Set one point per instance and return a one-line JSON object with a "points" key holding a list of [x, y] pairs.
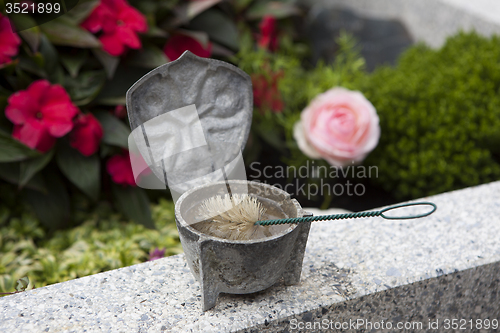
{"points": [[433, 268]]}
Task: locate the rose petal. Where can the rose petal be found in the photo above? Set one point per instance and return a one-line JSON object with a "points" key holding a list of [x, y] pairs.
{"points": [[304, 146], [341, 125]]}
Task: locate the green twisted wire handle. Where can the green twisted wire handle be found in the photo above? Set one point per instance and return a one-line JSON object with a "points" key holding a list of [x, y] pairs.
{"points": [[380, 213]]}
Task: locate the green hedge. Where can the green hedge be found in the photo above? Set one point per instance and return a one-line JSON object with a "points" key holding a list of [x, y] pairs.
{"points": [[439, 111], [440, 117]]}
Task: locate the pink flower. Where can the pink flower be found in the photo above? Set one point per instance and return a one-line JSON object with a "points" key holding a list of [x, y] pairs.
{"points": [[268, 38], [40, 114], [9, 41], [120, 111], [340, 126], [120, 169], [178, 43], [86, 134], [119, 23], [156, 254], [266, 94]]}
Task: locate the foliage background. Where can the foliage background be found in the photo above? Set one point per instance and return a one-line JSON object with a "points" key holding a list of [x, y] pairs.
{"points": [[64, 53], [61, 215]]}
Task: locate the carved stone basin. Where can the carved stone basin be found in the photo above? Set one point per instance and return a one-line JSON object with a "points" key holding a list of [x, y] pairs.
{"points": [[243, 266]]}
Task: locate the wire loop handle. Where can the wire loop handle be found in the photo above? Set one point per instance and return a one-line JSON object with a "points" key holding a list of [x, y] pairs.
{"points": [[380, 213], [408, 205]]}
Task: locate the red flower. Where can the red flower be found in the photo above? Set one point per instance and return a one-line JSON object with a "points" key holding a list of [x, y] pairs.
{"points": [[265, 92], [177, 44], [120, 111], [9, 41], [120, 169], [120, 24], [40, 113], [268, 35], [86, 134]]}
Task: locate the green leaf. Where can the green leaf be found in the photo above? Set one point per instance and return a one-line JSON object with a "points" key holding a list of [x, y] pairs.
{"points": [[34, 64], [52, 208], [150, 56], [201, 36], [107, 150], [219, 50], [109, 62], [121, 100], [20, 80], [82, 171], [240, 5], [22, 284], [196, 7], [30, 167], [123, 79], [38, 59], [22, 21], [49, 53], [155, 32], [115, 131], [219, 27], [32, 37], [134, 204], [272, 137], [13, 150], [61, 31], [10, 172], [74, 61], [274, 8], [186, 11], [4, 123], [82, 10], [84, 88]]}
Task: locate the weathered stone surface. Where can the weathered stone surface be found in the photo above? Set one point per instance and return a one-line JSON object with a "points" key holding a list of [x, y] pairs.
{"points": [[380, 41], [448, 269]]}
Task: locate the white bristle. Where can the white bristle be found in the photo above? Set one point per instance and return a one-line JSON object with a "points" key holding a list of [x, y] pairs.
{"points": [[231, 217]]}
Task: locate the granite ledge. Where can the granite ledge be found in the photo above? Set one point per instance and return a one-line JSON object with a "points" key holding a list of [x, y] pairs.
{"points": [[349, 266]]}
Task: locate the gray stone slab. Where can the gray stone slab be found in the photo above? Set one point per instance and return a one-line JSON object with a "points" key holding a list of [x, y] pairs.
{"points": [[430, 21], [441, 267], [468, 299], [380, 41]]}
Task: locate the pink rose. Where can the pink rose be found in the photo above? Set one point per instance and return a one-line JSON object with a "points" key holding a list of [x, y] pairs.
{"points": [[339, 125]]}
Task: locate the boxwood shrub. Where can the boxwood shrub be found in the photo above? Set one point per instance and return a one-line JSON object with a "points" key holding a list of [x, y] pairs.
{"points": [[440, 117]]}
